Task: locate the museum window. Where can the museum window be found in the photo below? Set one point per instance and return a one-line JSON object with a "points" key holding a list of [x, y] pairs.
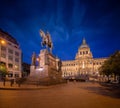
{"points": [[90, 62], [86, 52], [80, 53]]}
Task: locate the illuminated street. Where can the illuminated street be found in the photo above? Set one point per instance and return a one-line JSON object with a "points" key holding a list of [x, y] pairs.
{"points": [[70, 95]]}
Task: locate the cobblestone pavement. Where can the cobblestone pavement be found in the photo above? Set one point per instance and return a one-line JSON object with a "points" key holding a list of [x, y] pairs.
{"points": [[70, 95]]}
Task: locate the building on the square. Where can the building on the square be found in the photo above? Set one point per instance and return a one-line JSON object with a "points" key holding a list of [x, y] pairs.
{"points": [[10, 54], [84, 63]]}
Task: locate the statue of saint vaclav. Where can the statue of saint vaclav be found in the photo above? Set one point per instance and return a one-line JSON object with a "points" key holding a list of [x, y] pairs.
{"points": [[46, 41]]}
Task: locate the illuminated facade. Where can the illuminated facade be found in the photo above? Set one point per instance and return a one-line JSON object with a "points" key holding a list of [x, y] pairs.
{"points": [[84, 63], [10, 54]]}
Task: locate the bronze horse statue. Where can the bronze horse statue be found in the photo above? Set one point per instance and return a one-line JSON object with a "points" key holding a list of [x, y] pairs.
{"points": [[46, 40]]}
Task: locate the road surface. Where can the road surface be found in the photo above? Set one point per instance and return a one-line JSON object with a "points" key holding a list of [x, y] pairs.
{"points": [[70, 95]]}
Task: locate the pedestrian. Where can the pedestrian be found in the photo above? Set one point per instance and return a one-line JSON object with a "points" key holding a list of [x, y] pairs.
{"points": [[12, 82]]}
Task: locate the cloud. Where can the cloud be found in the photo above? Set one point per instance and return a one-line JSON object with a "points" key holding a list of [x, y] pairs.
{"points": [[68, 21]]}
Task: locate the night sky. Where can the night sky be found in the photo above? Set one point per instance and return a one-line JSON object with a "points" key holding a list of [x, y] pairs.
{"points": [[68, 21]]}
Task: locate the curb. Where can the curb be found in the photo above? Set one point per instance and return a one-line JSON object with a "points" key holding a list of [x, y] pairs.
{"points": [[27, 87], [22, 88]]}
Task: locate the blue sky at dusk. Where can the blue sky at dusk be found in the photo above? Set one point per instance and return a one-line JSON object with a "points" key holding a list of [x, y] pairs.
{"points": [[68, 21]]}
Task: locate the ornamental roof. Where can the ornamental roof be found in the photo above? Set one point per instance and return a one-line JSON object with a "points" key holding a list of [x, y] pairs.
{"points": [[84, 44]]}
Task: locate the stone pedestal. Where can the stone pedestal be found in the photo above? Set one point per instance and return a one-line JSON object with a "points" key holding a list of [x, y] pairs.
{"points": [[32, 70], [49, 69]]}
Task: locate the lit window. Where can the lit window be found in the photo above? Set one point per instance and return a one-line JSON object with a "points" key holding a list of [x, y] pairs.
{"points": [[16, 67], [10, 75], [10, 65]]}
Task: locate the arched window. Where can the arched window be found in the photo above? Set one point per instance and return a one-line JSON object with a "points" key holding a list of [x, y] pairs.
{"points": [[86, 52], [80, 53]]}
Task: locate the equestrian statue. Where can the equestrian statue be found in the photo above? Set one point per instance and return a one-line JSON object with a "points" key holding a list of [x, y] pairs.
{"points": [[46, 40]]}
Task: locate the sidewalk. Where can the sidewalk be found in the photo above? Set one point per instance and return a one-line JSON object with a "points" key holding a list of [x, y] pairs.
{"points": [[21, 87]]}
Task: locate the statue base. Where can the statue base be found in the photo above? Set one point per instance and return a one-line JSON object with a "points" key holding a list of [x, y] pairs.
{"points": [[48, 71]]}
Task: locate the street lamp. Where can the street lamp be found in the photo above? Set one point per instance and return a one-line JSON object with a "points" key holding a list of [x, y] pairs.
{"points": [[2, 42]]}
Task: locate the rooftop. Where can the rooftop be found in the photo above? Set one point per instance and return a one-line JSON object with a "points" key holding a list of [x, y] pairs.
{"points": [[8, 37]]}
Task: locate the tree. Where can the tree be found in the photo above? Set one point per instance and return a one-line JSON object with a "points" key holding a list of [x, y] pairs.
{"points": [[111, 66], [115, 65], [105, 69], [3, 69]]}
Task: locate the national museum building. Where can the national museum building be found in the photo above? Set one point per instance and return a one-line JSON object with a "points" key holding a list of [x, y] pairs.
{"points": [[84, 63], [10, 55]]}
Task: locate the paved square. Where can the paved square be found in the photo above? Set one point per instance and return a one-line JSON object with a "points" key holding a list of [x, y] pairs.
{"points": [[70, 95]]}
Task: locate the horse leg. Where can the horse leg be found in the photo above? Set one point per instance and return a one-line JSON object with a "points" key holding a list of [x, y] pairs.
{"points": [[42, 44]]}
